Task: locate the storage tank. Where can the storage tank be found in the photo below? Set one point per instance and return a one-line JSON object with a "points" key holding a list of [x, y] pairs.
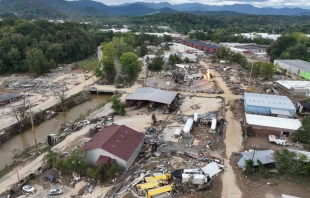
{"points": [[195, 117], [188, 125], [213, 124]]}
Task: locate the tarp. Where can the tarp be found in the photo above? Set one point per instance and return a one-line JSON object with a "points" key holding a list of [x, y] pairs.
{"points": [[265, 157], [211, 169]]}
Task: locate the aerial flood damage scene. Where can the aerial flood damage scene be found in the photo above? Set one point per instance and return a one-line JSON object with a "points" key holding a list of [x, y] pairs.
{"points": [[126, 99]]}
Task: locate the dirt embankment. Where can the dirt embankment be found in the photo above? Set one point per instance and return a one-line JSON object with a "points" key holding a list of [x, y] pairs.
{"points": [[40, 116]]}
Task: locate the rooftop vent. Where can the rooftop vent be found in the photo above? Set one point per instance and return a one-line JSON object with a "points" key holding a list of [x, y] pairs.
{"points": [[113, 145]]}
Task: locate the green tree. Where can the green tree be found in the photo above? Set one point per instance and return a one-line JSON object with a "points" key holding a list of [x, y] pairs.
{"points": [[130, 66], [249, 167], [302, 134], [142, 50], [36, 61], [267, 70], [157, 62], [186, 60], [118, 106]]}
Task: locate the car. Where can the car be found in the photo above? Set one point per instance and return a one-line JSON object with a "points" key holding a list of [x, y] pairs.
{"points": [[50, 177], [29, 189], [56, 191]]}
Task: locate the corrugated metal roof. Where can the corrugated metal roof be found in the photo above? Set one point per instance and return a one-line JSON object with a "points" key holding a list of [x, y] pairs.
{"points": [[271, 101], [118, 140], [280, 112], [265, 157], [289, 84], [154, 95], [300, 64], [275, 122]]}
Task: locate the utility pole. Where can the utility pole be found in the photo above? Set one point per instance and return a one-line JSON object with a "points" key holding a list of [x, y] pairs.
{"points": [[144, 84], [250, 74], [17, 174], [33, 131]]}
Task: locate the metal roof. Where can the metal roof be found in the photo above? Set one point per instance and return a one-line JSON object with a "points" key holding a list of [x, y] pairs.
{"points": [[289, 84], [275, 122], [154, 95], [300, 64], [280, 112], [271, 101], [201, 43], [8, 96], [265, 157], [118, 140]]}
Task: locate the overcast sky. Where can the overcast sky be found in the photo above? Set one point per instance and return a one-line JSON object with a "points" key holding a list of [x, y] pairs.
{"points": [[257, 3]]}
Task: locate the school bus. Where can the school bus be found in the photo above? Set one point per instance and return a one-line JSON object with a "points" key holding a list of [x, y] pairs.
{"points": [[154, 178], [160, 190]]}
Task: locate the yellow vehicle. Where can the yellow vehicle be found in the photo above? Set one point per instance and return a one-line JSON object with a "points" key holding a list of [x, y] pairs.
{"points": [[142, 188], [154, 178], [160, 190]]}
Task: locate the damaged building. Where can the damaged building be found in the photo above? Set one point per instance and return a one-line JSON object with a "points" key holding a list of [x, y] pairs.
{"points": [[152, 97]]}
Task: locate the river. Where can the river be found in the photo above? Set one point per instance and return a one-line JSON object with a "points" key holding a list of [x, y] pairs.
{"points": [[25, 139]]}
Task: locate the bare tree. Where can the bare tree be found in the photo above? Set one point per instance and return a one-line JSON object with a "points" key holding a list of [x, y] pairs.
{"points": [[60, 96], [20, 114], [154, 118]]}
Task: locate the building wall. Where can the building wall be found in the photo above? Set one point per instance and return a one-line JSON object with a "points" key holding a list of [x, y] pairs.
{"points": [[266, 131], [290, 69], [93, 155], [134, 155], [305, 74]]}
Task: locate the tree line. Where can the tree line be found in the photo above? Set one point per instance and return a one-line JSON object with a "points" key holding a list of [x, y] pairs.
{"points": [[38, 46]]}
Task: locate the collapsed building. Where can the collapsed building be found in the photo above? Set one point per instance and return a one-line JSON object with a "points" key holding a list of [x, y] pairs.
{"points": [[9, 98], [153, 97]]}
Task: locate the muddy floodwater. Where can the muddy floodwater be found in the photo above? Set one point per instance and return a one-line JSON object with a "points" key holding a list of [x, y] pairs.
{"points": [[25, 139]]}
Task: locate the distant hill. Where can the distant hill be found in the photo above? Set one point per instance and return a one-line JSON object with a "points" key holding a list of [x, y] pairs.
{"points": [[83, 8], [241, 8], [46, 9], [134, 9]]}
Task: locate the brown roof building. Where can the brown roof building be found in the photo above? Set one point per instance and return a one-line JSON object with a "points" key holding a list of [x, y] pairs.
{"points": [[116, 142]]}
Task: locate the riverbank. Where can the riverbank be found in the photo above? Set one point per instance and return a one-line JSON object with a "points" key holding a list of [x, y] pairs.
{"points": [[32, 162], [43, 115]]}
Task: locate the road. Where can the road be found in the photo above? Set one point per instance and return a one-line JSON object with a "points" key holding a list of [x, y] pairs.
{"points": [[99, 52], [24, 171], [233, 140]]}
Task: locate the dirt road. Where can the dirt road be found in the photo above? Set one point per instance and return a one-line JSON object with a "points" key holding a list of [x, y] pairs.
{"points": [[233, 140]]}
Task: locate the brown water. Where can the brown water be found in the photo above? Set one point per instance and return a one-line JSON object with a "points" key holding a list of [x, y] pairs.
{"points": [[25, 139]]}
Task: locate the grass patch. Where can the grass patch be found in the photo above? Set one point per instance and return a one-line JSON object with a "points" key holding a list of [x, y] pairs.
{"points": [[8, 82], [114, 97], [252, 90], [89, 63], [8, 169]]}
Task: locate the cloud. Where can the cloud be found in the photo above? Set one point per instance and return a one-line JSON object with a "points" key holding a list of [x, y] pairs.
{"points": [[257, 3]]}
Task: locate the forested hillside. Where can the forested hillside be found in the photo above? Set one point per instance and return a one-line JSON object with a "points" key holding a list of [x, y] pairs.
{"points": [[49, 9], [38, 46], [184, 22]]}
